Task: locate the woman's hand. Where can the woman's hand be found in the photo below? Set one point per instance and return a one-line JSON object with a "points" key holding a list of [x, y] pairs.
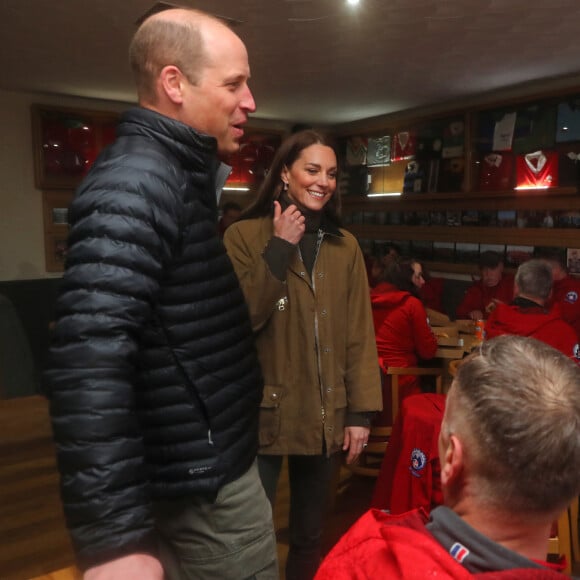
{"points": [[288, 225], [355, 440]]}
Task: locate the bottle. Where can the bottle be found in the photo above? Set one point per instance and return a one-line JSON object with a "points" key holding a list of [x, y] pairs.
{"points": [[480, 330]]}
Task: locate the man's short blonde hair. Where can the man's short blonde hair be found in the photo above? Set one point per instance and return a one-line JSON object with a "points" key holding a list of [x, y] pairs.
{"points": [[172, 37], [517, 404]]}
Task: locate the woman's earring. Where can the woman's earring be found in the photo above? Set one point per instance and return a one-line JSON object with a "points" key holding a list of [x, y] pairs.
{"points": [[285, 186]]}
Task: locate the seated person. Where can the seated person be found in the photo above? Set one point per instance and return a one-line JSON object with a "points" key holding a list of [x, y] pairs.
{"points": [[376, 263], [528, 315], [494, 286], [402, 331], [565, 289], [430, 287], [501, 490]]}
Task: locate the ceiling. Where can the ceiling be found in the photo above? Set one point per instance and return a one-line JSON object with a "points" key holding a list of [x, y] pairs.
{"points": [[312, 61]]}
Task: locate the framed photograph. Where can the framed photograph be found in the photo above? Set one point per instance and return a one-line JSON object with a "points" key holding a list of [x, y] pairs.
{"points": [[573, 260], [453, 218], [252, 161], [66, 142], [534, 219], [470, 217], [55, 250], [422, 249], [55, 206], [506, 218], [497, 248], [516, 255], [487, 218], [466, 253], [569, 219], [443, 251], [437, 218]]}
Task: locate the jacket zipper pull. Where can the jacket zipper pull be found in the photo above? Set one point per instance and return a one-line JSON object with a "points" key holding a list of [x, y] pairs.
{"points": [[209, 439]]}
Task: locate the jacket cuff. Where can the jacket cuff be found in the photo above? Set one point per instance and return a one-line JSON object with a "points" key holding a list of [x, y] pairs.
{"points": [[92, 556], [363, 419], [278, 254]]}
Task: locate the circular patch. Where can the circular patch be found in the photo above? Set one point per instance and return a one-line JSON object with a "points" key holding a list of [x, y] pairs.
{"points": [[418, 461], [571, 297]]}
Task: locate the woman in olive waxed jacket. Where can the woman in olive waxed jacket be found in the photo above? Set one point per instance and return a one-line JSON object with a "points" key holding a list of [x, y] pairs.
{"points": [[305, 282]]}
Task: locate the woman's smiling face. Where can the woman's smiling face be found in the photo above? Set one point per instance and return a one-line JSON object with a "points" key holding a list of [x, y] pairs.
{"points": [[311, 178]]}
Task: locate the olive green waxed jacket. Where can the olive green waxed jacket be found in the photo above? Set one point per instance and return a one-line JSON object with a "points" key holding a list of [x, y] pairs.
{"points": [[315, 339]]}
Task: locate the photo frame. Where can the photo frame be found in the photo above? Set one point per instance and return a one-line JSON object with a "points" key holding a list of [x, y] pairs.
{"points": [[66, 142], [55, 207]]}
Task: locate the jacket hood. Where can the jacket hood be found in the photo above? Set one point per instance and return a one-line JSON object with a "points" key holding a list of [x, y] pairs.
{"points": [[387, 296]]}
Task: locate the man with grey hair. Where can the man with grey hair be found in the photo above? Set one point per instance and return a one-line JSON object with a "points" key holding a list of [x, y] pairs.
{"points": [[509, 446], [528, 314], [153, 374]]}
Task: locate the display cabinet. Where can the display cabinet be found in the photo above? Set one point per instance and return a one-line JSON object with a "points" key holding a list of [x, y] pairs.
{"points": [[503, 177]]}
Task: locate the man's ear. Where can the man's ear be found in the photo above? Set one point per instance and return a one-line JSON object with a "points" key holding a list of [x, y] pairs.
{"points": [[452, 461], [172, 83]]}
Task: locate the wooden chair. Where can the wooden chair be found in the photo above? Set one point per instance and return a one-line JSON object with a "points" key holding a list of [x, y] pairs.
{"points": [[565, 542], [369, 462]]}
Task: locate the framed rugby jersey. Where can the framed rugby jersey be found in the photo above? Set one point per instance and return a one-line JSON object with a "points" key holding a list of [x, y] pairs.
{"points": [[356, 151], [404, 145], [379, 151], [451, 174], [414, 179], [496, 172], [453, 139], [535, 128], [537, 170], [495, 131]]}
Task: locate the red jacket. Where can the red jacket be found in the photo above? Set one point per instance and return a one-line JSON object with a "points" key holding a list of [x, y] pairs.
{"points": [[403, 336], [524, 319], [410, 475], [478, 296], [401, 328], [566, 294], [432, 294], [380, 545]]}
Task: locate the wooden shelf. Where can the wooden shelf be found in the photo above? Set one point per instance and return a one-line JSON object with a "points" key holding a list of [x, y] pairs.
{"points": [[556, 237], [541, 199]]}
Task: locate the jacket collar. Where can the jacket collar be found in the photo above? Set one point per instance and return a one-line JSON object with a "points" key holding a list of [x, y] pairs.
{"points": [[195, 151]]}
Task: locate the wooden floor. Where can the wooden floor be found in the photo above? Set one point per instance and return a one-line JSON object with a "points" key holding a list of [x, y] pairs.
{"points": [[34, 542]]}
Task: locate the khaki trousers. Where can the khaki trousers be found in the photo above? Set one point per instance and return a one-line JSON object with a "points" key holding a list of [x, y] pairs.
{"points": [[231, 538]]}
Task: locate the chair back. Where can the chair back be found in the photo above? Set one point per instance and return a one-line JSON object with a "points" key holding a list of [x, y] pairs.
{"points": [[565, 541], [370, 460]]}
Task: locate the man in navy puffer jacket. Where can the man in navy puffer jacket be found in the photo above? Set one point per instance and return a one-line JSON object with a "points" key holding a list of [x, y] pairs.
{"points": [[153, 377]]}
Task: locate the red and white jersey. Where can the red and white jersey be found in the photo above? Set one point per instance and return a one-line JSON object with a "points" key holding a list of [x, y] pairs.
{"points": [[537, 170], [404, 146], [496, 172]]}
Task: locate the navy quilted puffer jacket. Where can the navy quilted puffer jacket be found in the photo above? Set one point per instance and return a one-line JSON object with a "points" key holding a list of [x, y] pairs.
{"points": [[153, 376]]}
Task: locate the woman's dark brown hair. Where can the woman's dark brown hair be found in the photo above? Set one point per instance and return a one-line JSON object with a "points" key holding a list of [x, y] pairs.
{"points": [[286, 155]]}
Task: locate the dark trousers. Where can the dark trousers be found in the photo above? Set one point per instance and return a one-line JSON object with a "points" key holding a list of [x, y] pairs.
{"points": [[310, 477]]}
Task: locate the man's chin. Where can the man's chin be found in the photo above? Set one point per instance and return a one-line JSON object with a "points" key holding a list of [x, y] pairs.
{"points": [[228, 148]]}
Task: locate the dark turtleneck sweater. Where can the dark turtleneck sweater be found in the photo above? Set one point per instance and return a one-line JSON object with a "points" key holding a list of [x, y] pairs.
{"points": [[279, 252]]}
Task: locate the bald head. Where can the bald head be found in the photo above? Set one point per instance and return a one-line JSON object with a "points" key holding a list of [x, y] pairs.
{"points": [[176, 37]]}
